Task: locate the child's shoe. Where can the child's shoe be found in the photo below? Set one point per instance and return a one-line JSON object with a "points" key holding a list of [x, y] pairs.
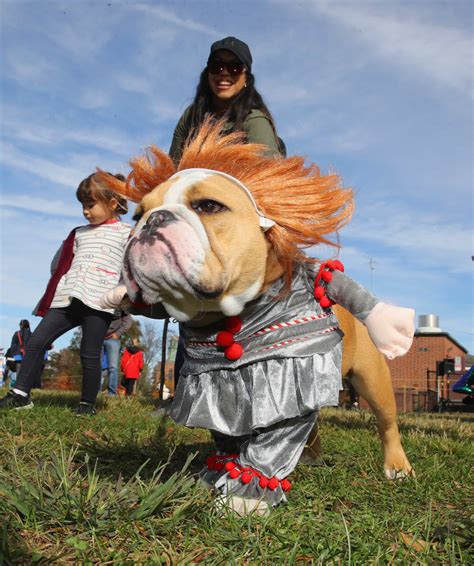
{"points": [[85, 409], [15, 401]]}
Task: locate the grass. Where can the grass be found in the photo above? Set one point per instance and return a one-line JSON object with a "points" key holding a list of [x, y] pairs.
{"points": [[119, 488]]}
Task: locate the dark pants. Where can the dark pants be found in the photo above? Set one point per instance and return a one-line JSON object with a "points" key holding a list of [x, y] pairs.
{"points": [[129, 385], [57, 322]]}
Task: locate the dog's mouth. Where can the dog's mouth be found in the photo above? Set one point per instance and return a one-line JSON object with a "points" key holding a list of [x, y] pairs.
{"points": [[155, 270]]}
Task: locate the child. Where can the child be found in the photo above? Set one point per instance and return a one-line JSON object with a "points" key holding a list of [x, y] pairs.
{"points": [[86, 266], [131, 366]]}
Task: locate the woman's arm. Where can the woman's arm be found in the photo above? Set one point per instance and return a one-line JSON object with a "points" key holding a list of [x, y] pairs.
{"points": [[259, 130]]}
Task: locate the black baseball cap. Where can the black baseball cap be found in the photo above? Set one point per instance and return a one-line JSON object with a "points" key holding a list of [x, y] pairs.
{"points": [[237, 47]]}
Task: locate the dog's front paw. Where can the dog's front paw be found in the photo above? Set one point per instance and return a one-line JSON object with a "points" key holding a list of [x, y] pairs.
{"points": [[115, 298], [242, 506]]}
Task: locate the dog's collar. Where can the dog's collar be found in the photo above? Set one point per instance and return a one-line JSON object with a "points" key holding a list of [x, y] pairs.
{"points": [[199, 174]]}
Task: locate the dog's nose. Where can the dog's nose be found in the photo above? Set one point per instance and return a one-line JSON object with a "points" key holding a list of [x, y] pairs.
{"points": [[159, 219]]}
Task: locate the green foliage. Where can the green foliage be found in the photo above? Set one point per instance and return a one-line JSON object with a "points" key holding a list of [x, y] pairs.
{"points": [[133, 333], [120, 488]]}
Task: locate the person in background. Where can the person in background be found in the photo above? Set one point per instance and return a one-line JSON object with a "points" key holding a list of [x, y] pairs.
{"points": [[19, 342], [87, 265], [3, 366], [226, 90], [119, 326], [104, 366], [131, 365], [10, 369]]}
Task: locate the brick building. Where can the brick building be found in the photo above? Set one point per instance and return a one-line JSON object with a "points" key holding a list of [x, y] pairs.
{"points": [[416, 383]]}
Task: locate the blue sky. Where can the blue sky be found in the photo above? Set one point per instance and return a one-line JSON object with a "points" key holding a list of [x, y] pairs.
{"points": [[379, 91]]}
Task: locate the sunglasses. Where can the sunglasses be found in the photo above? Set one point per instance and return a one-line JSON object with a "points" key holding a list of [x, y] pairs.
{"points": [[234, 68]]}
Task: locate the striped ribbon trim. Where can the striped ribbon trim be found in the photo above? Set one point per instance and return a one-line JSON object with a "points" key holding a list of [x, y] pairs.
{"points": [[300, 339], [279, 325], [280, 344]]}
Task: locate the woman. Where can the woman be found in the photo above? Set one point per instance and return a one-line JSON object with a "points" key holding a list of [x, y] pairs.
{"points": [[226, 89]]}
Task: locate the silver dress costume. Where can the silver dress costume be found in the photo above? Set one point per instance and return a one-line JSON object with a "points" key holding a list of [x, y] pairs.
{"points": [[264, 404]]}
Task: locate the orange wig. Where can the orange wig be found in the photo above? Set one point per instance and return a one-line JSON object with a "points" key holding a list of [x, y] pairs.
{"points": [[305, 205]]}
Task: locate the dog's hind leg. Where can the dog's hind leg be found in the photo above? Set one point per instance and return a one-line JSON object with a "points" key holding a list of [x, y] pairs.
{"points": [[370, 376]]}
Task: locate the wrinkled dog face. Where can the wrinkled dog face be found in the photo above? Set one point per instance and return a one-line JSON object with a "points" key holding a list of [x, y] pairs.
{"points": [[197, 247]]}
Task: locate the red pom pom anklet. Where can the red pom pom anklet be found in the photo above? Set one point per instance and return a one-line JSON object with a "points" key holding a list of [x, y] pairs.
{"points": [[248, 474], [217, 462]]}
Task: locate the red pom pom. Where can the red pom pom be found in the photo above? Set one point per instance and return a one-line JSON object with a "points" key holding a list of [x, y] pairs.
{"points": [[338, 265], [235, 473], [246, 477], [234, 351], [326, 276], [325, 302], [285, 485], [211, 462], [273, 484], [229, 466], [319, 292], [224, 339], [263, 483], [233, 324]]}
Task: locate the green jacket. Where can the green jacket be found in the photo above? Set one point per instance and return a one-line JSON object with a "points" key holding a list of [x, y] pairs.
{"points": [[257, 128]]}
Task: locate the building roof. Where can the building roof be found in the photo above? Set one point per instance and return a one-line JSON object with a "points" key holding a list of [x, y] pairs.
{"points": [[441, 335]]}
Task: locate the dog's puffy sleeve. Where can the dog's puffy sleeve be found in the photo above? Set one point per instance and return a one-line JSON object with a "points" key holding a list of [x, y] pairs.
{"points": [[391, 328]]}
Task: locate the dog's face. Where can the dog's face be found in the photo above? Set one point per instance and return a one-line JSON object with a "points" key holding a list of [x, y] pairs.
{"points": [[197, 248]]}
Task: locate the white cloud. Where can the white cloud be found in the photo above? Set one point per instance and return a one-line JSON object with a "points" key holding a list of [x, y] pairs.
{"points": [[429, 238], [163, 14], [34, 204], [34, 130], [439, 52], [133, 82], [39, 166], [80, 165], [94, 98], [28, 66]]}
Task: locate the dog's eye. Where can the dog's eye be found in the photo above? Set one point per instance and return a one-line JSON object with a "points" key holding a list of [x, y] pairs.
{"points": [[208, 206]]}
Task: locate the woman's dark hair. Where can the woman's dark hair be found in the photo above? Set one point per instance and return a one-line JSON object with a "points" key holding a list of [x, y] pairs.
{"points": [[247, 100], [92, 189], [24, 323]]}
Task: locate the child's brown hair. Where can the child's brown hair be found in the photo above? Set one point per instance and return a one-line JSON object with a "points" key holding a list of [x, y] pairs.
{"points": [[93, 189]]}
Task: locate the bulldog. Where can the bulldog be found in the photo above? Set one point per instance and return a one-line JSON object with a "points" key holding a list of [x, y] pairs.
{"points": [[218, 245]]}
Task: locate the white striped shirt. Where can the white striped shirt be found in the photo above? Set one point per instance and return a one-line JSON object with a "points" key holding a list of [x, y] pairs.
{"points": [[95, 269]]}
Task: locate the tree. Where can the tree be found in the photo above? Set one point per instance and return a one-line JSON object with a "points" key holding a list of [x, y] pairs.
{"points": [[67, 362], [133, 333], [151, 344]]}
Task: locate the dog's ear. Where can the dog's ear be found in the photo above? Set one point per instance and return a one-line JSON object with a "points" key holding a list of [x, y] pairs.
{"points": [[274, 268]]}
